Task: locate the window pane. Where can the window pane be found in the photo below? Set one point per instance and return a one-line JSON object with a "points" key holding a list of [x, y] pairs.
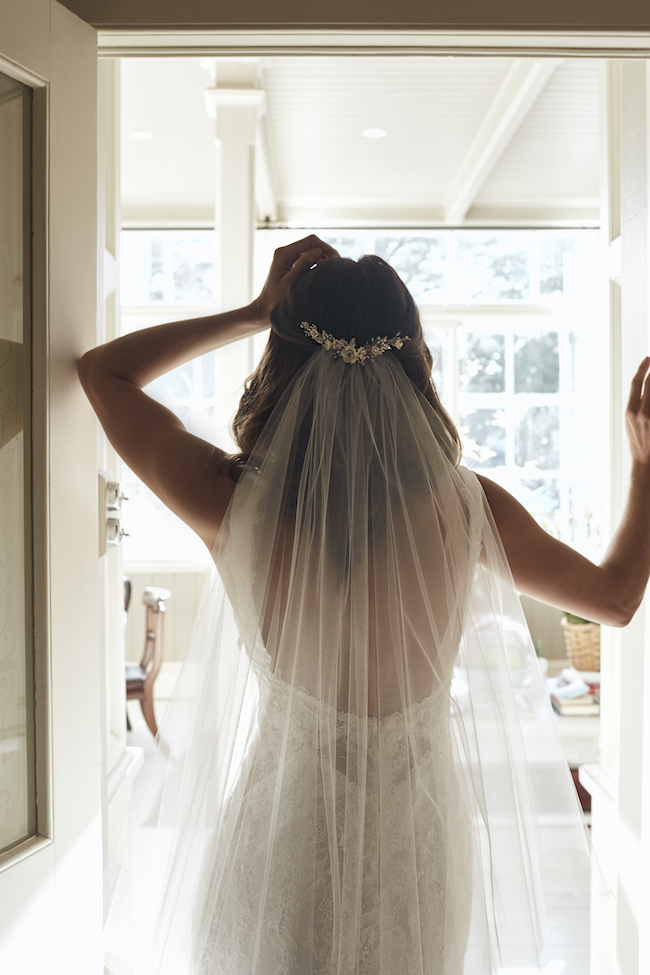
{"points": [[207, 374], [171, 267], [537, 438], [419, 261], [481, 362], [155, 271], [352, 247], [484, 438], [554, 252], [435, 340], [141, 268], [194, 273], [494, 267], [537, 363]]}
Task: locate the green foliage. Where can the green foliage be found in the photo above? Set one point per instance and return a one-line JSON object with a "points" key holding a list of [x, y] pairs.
{"points": [[572, 618]]}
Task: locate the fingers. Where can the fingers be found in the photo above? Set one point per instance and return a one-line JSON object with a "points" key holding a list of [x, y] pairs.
{"points": [[307, 259], [645, 397], [635, 402], [292, 252]]}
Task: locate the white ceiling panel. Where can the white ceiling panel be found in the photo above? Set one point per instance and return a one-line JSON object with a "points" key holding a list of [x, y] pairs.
{"points": [[554, 154], [174, 170], [429, 107], [327, 172]]}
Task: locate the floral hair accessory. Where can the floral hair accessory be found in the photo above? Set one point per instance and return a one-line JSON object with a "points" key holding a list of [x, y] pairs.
{"points": [[347, 350]]}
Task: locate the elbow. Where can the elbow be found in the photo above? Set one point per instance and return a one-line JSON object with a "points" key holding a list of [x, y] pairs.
{"points": [[619, 620], [85, 369], [622, 612]]}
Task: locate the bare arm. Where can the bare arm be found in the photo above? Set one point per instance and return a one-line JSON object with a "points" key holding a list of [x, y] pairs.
{"points": [[547, 569], [185, 472]]}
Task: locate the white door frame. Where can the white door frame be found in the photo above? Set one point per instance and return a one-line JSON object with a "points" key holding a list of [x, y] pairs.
{"points": [[618, 946], [166, 42], [51, 884]]}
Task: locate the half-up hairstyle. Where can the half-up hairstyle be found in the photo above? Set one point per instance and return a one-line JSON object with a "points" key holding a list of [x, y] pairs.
{"points": [[349, 299]]}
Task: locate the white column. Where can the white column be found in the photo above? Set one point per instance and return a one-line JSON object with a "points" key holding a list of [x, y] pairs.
{"points": [[237, 105]]}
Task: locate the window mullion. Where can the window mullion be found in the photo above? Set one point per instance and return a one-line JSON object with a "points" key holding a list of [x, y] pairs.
{"points": [[452, 370], [168, 269], [510, 402], [564, 399]]}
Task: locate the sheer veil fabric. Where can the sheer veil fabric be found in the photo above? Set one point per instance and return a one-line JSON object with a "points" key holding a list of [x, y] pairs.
{"points": [[359, 773]]}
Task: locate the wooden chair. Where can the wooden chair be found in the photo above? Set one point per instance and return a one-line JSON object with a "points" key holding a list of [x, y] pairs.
{"points": [[140, 679]]}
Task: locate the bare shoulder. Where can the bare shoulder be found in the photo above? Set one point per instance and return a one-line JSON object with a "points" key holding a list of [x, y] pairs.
{"points": [[507, 511]]}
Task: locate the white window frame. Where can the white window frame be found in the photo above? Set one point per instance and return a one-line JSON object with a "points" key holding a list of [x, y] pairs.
{"points": [[508, 320], [550, 313]]}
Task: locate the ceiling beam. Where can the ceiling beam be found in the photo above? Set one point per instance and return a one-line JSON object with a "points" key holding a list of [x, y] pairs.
{"points": [[518, 93]]}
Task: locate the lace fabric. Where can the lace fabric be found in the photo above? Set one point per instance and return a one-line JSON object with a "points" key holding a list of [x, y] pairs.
{"points": [[360, 772], [400, 927]]}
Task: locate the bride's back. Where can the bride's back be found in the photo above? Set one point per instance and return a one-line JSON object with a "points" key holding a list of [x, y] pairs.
{"points": [[358, 538]]}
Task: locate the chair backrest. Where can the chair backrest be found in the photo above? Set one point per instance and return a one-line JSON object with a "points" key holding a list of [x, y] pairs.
{"points": [[154, 644]]}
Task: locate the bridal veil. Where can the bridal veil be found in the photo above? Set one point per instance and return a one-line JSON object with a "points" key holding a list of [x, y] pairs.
{"points": [[359, 772]]}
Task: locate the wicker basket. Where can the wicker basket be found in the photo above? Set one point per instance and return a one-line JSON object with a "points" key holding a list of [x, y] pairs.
{"points": [[583, 644]]}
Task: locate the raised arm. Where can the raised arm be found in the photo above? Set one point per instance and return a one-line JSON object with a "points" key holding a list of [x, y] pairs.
{"points": [[547, 569], [186, 473]]}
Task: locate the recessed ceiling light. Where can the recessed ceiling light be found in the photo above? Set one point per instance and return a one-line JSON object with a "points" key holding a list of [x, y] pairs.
{"points": [[141, 135], [374, 133]]}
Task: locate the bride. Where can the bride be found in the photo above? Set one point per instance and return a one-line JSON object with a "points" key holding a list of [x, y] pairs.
{"points": [[359, 772]]}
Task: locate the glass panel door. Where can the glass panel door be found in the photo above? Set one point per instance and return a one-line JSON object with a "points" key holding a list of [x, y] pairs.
{"points": [[17, 766]]}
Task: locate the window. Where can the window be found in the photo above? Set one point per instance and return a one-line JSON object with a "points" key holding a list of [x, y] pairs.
{"points": [[506, 383], [163, 267], [166, 275], [512, 320]]}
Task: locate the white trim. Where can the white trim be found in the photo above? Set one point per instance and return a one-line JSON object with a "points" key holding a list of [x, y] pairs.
{"points": [[124, 772], [598, 782], [401, 216], [517, 94], [254, 97], [114, 42], [574, 214], [615, 259], [21, 74], [28, 848]]}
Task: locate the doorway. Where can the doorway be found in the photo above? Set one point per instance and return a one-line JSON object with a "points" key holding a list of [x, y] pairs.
{"points": [[484, 194]]}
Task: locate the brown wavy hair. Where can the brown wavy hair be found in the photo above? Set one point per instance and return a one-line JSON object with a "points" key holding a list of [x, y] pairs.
{"points": [[349, 299]]}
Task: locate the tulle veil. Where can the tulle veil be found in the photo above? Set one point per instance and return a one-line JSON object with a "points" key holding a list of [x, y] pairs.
{"points": [[359, 772]]}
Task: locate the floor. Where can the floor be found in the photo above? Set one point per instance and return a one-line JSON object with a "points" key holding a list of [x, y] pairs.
{"points": [[567, 950]]}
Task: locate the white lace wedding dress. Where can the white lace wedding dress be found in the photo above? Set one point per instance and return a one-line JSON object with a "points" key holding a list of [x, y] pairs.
{"points": [[361, 771], [281, 912]]}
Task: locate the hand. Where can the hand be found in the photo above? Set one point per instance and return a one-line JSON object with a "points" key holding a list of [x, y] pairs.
{"points": [[637, 415], [289, 263]]}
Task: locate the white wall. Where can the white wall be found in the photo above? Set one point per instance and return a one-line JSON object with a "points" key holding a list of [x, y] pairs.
{"points": [[181, 607]]}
